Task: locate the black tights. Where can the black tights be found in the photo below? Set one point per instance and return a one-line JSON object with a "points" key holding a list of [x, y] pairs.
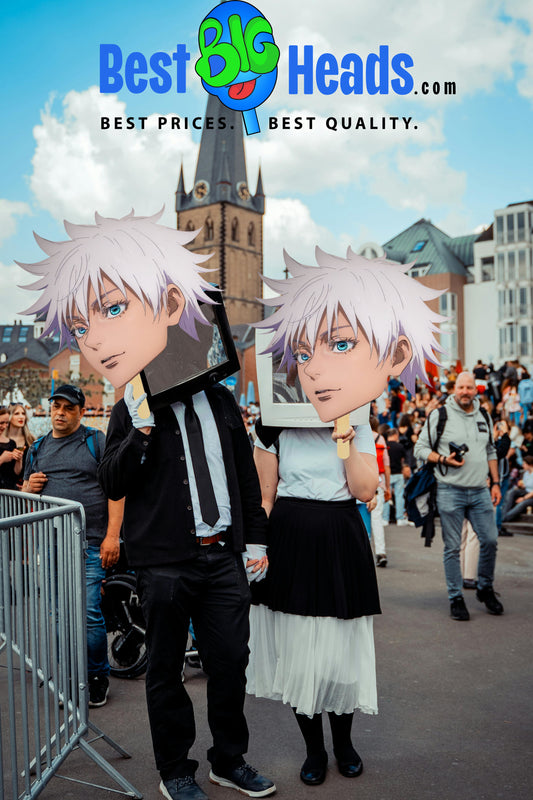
{"points": [[313, 733]]}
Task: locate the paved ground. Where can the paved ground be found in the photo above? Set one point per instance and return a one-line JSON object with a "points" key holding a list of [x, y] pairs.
{"points": [[455, 718]]}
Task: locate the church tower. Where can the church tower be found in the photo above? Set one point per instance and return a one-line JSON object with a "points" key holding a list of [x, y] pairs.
{"points": [[230, 217]]}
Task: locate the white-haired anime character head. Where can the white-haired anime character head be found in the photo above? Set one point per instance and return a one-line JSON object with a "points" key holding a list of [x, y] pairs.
{"points": [[349, 324], [116, 287]]}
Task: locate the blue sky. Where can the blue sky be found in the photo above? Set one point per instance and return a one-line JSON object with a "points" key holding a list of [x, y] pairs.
{"points": [[469, 155]]}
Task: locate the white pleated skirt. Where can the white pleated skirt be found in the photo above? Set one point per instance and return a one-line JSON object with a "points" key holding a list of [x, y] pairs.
{"points": [[312, 663]]}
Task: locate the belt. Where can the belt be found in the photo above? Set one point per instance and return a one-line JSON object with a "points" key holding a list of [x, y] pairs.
{"points": [[205, 540]]}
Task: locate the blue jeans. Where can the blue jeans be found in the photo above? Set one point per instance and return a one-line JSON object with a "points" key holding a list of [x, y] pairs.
{"points": [[365, 516], [499, 508], [456, 504], [397, 483], [96, 631]]}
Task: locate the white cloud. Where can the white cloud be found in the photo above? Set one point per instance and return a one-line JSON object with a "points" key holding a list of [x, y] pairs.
{"points": [[13, 299], [79, 168], [289, 225], [474, 42], [9, 210]]}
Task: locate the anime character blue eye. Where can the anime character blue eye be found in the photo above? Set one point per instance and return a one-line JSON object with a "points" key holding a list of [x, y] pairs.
{"points": [[341, 345], [302, 357], [114, 310], [238, 61], [79, 331]]}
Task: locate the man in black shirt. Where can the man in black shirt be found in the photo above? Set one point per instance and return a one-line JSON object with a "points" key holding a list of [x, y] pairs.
{"points": [[62, 464], [399, 471]]}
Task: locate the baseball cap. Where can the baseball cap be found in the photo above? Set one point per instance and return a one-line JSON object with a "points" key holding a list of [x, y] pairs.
{"points": [[71, 393]]}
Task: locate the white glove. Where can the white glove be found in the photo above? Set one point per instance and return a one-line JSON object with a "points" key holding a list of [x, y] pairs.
{"points": [[133, 408], [254, 552]]}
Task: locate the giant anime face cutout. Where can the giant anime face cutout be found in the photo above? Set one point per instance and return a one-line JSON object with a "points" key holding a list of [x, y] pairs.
{"points": [[134, 300], [339, 332], [342, 372]]}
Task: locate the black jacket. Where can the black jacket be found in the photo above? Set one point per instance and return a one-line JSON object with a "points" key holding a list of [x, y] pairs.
{"points": [[151, 472]]}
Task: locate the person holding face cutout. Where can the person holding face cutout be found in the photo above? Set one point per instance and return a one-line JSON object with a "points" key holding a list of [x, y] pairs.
{"points": [[194, 529], [348, 325]]}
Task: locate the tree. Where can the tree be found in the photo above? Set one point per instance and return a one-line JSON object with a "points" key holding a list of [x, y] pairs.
{"points": [[29, 381]]}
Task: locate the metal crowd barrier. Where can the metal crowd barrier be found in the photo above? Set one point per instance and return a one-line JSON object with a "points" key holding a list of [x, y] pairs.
{"points": [[43, 646]]}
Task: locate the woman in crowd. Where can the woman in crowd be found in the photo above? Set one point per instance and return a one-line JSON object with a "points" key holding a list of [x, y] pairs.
{"points": [[10, 455], [19, 431], [311, 637]]}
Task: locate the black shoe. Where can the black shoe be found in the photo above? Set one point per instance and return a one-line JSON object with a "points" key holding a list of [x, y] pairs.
{"points": [[246, 780], [468, 583], [381, 560], [351, 766], [184, 788], [504, 532], [488, 597], [458, 609], [314, 768], [98, 690]]}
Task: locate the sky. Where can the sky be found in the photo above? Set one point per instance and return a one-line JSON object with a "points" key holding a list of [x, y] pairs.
{"points": [[462, 156]]}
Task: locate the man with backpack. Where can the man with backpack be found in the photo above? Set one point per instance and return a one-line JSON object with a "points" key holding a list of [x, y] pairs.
{"points": [[458, 440], [64, 464]]}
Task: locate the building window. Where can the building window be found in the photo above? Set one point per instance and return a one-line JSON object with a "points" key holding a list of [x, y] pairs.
{"points": [[522, 266], [419, 246], [510, 228], [511, 271], [209, 230], [235, 230], [521, 227], [523, 340], [501, 268], [251, 235], [8, 330], [487, 269], [189, 226], [523, 311], [499, 230], [448, 306], [23, 333]]}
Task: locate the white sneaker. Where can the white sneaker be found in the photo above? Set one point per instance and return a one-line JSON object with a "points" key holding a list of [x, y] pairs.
{"points": [[402, 522]]}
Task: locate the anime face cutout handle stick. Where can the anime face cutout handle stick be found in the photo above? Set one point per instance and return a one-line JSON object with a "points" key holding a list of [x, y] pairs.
{"points": [[116, 287], [349, 324]]}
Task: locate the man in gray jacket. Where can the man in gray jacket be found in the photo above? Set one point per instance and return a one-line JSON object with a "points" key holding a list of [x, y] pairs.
{"points": [[462, 491]]}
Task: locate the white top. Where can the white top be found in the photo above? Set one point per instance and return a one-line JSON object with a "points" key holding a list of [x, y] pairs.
{"points": [[309, 466]]}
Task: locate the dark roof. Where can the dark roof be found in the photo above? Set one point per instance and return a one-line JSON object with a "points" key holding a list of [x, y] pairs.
{"points": [[487, 235], [443, 253], [521, 203], [18, 342], [221, 164]]}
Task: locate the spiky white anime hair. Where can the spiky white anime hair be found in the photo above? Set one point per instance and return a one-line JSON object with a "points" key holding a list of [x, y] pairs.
{"points": [[134, 253], [375, 295]]}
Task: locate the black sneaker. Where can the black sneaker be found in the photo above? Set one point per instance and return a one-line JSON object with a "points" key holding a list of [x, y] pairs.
{"points": [[381, 560], [469, 583], [458, 609], [98, 690], [184, 788], [246, 780], [488, 597]]}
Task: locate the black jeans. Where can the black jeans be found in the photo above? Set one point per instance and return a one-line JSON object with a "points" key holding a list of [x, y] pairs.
{"points": [[212, 589]]}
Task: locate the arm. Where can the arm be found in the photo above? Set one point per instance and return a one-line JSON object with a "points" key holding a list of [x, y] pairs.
{"points": [[361, 469], [110, 547], [121, 467], [267, 468], [495, 492]]}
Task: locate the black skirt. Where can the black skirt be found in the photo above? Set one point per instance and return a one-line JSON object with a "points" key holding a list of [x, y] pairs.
{"points": [[320, 561]]}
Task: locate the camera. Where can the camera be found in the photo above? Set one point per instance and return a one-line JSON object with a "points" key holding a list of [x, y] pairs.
{"points": [[458, 450]]}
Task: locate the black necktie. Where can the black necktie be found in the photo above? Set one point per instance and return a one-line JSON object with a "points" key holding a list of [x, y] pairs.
{"points": [[206, 493]]}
